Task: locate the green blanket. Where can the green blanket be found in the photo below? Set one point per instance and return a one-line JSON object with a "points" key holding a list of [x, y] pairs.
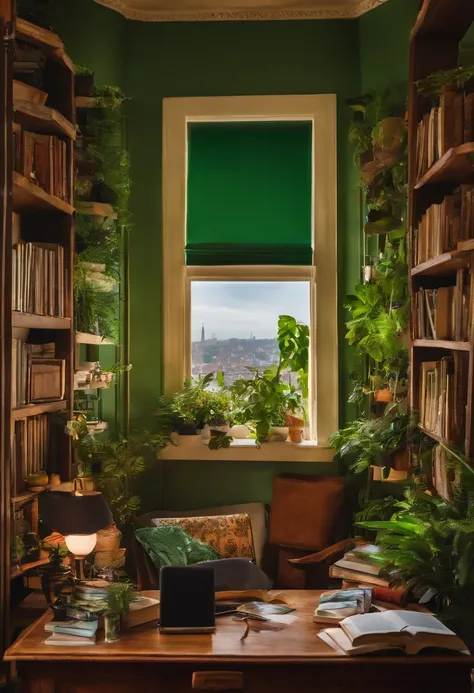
{"points": [[169, 545]]}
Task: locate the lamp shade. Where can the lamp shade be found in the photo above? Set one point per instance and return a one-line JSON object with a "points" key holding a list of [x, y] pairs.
{"points": [[70, 514]]}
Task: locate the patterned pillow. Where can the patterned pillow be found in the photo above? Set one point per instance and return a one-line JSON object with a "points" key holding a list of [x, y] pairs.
{"points": [[229, 535]]}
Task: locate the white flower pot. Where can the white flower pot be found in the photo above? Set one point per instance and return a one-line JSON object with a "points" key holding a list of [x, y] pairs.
{"points": [[239, 432], [278, 434]]}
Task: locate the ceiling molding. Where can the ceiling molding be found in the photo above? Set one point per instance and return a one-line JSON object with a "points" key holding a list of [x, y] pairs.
{"points": [[349, 11]]}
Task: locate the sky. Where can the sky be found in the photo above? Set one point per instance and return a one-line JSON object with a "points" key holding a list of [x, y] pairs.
{"points": [[236, 309]]}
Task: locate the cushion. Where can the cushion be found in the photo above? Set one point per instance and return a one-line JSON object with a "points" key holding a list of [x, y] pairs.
{"points": [[256, 512], [172, 546], [305, 512], [229, 535]]}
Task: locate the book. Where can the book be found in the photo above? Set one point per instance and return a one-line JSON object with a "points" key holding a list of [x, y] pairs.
{"points": [[409, 631], [86, 629], [336, 605], [143, 610], [358, 576], [63, 639], [358, 559]]}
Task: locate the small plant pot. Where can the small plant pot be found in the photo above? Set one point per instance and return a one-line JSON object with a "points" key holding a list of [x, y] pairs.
{"points": [[187, 428], [111, 627], [239, 432], [84, 85], [295, 434], [401, 461], [383, 396], [278, 434], [393, 475]]}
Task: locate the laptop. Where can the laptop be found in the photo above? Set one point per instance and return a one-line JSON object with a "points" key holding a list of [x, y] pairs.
{"points": [[187, 600]]}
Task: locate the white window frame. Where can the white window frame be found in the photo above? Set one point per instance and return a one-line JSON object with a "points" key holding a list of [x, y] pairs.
{"points": [[320, 109]]}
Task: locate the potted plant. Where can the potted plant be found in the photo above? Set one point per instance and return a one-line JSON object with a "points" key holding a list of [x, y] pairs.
{"points": [[197, 406], [119, 597], [83, 81]]}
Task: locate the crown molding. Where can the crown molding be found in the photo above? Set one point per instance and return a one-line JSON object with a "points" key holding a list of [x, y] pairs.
{"points": [[349, 11]]}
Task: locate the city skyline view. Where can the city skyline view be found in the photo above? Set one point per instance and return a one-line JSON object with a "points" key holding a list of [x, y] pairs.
{"points": [[236, 310]]}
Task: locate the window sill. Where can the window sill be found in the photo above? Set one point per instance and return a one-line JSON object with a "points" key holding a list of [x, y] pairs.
{"points": [[194, 448]]}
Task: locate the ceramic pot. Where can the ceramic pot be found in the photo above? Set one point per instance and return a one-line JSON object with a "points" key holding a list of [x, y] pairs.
{"points": [[383, 396], [56, 579], [295, 434], [208, 431], [108, 539], [278, 434], [239, 431], [84, 483], [37, 479], [54, 480], [111, 627]]}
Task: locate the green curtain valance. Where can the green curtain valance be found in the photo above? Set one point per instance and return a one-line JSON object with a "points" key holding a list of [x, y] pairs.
{"points": [[249, 193]]}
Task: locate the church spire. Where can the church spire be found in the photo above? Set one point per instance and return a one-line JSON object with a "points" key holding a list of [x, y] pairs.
{"points": [[203, 333]]}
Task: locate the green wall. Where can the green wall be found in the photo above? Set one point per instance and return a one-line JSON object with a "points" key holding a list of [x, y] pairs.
{"points": [[152, 61]]}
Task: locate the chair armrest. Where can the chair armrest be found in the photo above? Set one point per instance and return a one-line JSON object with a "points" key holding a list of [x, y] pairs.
{"points": [[331, 554]]}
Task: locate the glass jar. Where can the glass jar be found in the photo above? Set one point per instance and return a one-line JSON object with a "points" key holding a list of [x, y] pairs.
{"points": [[112, 627]]}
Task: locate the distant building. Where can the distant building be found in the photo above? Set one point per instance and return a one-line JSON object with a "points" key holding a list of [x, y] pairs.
{"points": [[203, 333]]}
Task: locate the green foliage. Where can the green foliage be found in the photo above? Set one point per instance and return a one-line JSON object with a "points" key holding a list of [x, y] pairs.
{"points": [[83, 70], [220, 440], [456, 78], [95, 312], [367, 442], [122, 461], [198, 404], [429, 542], [293, 343], [119, 597], [109, 96]]}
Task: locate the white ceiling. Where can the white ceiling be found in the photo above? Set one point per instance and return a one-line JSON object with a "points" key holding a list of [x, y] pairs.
{"points": [[239, 10]]}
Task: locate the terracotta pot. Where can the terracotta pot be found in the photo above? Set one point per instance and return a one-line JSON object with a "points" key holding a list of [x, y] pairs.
{"points": [[401, 461], [383, 396], [294, 421], [54, 480], [295, 434]]}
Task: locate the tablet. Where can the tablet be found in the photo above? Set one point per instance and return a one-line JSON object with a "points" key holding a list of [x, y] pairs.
{"points": [[187, 600]]}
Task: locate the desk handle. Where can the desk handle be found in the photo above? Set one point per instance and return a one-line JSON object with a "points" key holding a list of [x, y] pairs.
{"points": [[218, 680]]}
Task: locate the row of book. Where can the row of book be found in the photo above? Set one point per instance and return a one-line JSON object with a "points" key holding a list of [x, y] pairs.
{"points": [[39, 279], [448, 125], [443, 396], [444, 225], [42, 159], [37, 376], [31, 449], [443, 313]]}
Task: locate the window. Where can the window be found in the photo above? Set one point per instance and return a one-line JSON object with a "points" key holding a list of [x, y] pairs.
{"points": [[249, 232]]}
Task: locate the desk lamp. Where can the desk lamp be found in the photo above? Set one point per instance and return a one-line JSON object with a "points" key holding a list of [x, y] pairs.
{"points": [[77, 517]]}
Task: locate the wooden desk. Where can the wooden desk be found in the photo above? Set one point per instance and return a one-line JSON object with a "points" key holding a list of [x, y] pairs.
{"points": [[292, 659]]}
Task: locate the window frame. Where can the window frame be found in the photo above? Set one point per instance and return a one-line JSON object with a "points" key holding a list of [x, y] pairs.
{"points": [[320, 109]]}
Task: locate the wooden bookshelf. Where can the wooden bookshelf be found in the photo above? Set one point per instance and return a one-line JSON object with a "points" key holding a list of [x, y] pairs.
{"points": [[28, 197], [40, 408], [441, 370], [38, 231], [36, 116], [40, 322]]}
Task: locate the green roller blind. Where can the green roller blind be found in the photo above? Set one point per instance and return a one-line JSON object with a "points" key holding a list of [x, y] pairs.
{"points": [[249, 193]]}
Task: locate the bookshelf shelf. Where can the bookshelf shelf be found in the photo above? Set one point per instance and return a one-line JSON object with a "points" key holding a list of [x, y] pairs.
{"points": [[40, 408], [454, 168], [28, 197], [24, 497], [441, 265], [429, 433], [92, 339], [36, 116], [93, 386], [49, 42], [96, 209], [40, 322], [17, 571], [86, 102], [442, 344]]}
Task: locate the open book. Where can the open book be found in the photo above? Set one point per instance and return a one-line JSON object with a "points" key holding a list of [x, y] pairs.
{"points": [[409, 631]]}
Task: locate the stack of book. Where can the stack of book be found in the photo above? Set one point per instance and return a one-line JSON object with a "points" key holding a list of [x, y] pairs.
{"points": [[443, 396], [38, 278], [447, 125], [408, 631], [334, 606], [444, 225], [72, 632], [356, 570], [22, 355], [42, 159]]}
